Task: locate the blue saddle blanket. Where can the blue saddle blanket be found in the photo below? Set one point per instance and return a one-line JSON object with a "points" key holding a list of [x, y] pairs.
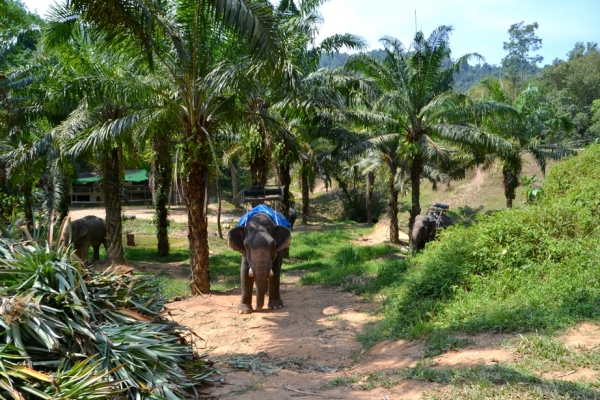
{"points": [[278, 218]]}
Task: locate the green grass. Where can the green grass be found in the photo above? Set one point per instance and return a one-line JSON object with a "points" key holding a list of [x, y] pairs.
{"points": [[171, 288], [531, 269], [145, 250], [546, 353], [507, 382], [142, 226]]}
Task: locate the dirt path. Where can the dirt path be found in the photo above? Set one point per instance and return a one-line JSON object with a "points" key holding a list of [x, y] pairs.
{"points": [[313, 340], [309, 348]]}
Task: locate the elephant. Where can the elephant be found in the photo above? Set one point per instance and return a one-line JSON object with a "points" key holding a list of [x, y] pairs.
{"points": [[260, 241], [292, 218], [423, 231], [87, 231], [444, 220], [426, 226]]}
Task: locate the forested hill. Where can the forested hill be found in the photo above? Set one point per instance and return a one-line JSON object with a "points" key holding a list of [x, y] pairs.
{"points": [[468, 76]]}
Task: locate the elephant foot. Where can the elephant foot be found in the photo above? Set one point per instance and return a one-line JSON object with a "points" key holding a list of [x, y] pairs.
{"points": [[244, 309], [275, 304]]}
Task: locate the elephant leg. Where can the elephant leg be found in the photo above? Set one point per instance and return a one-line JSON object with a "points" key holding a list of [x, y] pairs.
{"points": [[96, 256], [85, 249], [275, 302], [421, 240], [245, 306]]}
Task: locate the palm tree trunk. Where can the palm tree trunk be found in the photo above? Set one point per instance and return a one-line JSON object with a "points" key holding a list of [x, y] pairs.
{"points": [[510, 186], [162, 171], [393, 206], [112, 205], [259, 173], [416, 169], [218, 184], [195, 184], [259, 170], [62, 206], [305, 192], [234, 186], [369, 194], [27, 192], [285, 179]]}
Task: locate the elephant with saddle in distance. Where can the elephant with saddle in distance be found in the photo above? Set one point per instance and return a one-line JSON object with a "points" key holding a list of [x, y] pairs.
{"points": [[260, 240], [425, 228]]}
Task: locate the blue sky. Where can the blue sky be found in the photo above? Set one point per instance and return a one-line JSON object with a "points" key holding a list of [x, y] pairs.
{"points": [[479, 25]]}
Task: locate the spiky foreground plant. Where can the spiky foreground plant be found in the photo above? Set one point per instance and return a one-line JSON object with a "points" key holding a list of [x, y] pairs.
{"points": [[69, 332]]}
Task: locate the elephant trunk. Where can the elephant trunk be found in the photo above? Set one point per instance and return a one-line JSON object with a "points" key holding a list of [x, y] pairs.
{"points": [[260, 280]]}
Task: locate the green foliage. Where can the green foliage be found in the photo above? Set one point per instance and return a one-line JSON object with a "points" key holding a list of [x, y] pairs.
{"points": [[99, 335], [468, 76], [529, 269], [530, 190], [571, 87], [19, 33]]}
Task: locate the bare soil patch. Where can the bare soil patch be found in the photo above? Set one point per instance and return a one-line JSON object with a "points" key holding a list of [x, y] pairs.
{"points": [[381, 234], [296, 351], [312, 339], [584, 335]]}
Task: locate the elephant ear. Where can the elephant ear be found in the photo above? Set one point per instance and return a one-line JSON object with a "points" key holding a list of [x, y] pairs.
{"points": [[235, 240], [283, 237], [81, 231]]}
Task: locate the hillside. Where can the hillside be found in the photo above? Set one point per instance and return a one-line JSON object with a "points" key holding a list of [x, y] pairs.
{"points": [[480, 192]]}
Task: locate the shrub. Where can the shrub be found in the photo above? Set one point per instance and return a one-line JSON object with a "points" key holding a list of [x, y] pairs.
{"points": [[526, 269]]}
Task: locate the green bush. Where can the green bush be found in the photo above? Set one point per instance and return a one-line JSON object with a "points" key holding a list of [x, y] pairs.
{"points": [[69, 332]]}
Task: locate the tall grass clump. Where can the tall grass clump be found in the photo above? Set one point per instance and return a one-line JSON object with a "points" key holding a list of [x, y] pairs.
{"points": [[530, 269], [68, 332]]}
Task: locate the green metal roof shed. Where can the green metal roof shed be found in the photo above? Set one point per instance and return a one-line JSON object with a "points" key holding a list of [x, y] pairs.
{"points": [[139, 175]]}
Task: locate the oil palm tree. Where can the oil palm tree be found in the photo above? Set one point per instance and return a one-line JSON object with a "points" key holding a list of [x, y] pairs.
{"points": [[101, 129], [195, 37], [414, 98], [284, 101], [527, 131]]}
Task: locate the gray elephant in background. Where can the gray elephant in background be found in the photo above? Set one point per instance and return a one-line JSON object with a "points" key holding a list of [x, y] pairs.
{"points": [[293, 216], [261, 243], [423, 231], [426, 227], [85, 232]]}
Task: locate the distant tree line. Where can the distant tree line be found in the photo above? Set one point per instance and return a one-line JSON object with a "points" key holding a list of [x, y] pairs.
{"points": [[469, 75]]}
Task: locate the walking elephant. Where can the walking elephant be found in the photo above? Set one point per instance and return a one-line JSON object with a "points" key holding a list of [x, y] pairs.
{"points": [[260, 241], [85, 232]]}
